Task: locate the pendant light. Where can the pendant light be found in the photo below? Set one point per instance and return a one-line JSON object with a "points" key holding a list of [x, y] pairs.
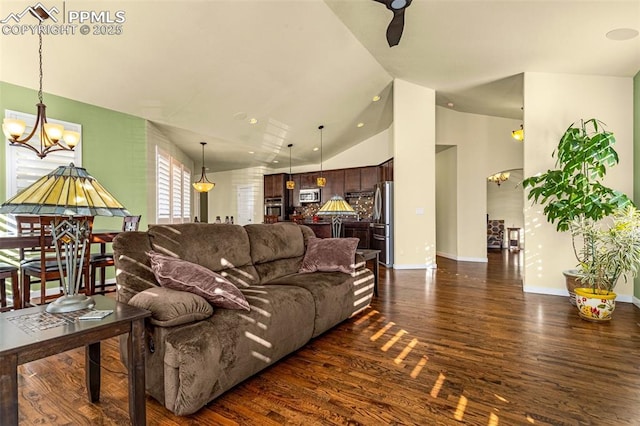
{"points": [[499, 177], [203, 185], [321, 181], [290, 183], [518, 134], [51, 135]]}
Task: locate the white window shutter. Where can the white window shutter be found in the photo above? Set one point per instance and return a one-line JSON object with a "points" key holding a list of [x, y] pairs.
{"points": [[163, 185]]}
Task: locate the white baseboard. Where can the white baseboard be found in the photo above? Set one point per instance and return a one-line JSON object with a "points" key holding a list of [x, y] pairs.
{"points": [[462, 258], [636, 301], [416, 266]]}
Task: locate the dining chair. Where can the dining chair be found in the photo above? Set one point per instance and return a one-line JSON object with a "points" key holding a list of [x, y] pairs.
{"points": [[103, 260], [45, 267], [11, 272], [28, 225]]}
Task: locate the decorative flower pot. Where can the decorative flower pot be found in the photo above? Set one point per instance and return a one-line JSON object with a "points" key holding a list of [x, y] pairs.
{"points": [[595, 305], [572, 279]]}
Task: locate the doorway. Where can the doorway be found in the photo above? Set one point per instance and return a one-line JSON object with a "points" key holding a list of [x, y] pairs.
{"points": [[505, 211]]}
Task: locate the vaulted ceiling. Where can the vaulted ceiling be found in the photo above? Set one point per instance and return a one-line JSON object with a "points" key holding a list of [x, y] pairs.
{"points": [[201, 70]]}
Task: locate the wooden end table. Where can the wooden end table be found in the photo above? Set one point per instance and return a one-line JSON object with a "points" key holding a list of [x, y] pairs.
{"points": [[372, 255], [31, 334]]}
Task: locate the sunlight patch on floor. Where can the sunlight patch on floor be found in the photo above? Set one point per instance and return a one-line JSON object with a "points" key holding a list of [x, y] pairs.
{"points": [[412, 344], [462, 405], [418, 368], [382, 331], [435, 390], [393, 340]]}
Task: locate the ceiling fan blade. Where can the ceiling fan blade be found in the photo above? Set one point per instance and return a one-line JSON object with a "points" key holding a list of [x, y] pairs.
{"points": [[394, 30]]}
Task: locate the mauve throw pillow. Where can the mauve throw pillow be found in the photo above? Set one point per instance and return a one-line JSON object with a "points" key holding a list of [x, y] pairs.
{"points": [[330, 255], [178, 274]]}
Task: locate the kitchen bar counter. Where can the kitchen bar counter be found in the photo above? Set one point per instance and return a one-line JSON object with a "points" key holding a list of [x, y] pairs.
{"points": [[351, 229]]}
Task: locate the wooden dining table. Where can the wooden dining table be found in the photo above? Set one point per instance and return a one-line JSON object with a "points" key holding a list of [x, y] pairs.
{"points": [[10, 240]]}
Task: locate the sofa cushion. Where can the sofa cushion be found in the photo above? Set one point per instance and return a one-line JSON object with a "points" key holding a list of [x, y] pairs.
{"points": [[336, 295], [171, 307], [218, 247], [330, 254], [276, 241], [179, 274]]}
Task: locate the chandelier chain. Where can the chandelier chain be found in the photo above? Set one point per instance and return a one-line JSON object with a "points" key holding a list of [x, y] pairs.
{"points": [[40, 57]]}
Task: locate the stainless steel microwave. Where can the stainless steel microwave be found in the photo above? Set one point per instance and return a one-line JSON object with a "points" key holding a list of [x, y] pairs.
{"points": [[309, 195]]}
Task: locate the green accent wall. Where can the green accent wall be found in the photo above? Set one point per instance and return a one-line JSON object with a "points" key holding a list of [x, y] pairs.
{"points": [[113, 147], [636, 158]]}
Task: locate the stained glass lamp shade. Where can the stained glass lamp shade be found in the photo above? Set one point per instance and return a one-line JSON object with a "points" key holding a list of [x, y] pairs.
{"points": [[66, 192]]}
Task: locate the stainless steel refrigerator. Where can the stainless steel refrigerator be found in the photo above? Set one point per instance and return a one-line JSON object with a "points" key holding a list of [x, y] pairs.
{"points": [[382, 225]]}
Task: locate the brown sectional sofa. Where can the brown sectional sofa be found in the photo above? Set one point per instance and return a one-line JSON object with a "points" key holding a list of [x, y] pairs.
{"points": [[196, 352]]}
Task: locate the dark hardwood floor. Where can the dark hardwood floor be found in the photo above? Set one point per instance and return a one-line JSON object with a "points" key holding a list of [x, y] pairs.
{"points": [[460, 345]]}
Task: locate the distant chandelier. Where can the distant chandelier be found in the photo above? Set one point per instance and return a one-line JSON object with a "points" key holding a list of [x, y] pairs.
{"points": [[203, 185], [499, 177], [321, 181], [518, 134], [51, 135], [290, 184]]}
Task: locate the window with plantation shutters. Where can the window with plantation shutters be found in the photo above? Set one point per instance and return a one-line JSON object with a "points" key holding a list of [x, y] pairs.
{"points": [[173, 183], [163, 185], [24, 167], [186, 195]]}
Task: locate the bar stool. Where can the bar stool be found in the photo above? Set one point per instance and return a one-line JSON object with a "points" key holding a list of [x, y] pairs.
{"points": [[9, 271]]}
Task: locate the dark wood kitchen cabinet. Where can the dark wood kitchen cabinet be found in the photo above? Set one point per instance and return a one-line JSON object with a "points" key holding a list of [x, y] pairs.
{"points": [[369, 176], [352, 180], [386, 170], [334, 186], [361, 179], [274, 185], [308, 180]]}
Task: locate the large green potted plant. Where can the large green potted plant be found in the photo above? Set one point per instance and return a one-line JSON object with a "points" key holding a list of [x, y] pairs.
{"points": [[573, 191], [610, 250]]}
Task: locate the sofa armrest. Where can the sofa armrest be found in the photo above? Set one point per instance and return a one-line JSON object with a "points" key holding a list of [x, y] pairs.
{"points": [[170, 308]]}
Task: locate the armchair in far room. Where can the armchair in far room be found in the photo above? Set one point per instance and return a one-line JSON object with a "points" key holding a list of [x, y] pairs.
{"points": [[495, 233]]}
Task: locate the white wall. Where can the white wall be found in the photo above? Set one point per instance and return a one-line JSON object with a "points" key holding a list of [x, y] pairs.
{"points": [[370, 152], [446, 203], [552, 103], [223, 199], [414, 175], [484, 147]]}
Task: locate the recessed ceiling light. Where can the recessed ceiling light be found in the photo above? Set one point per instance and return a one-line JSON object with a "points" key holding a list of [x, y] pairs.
{"points": [[316, 148], [376, 98], [251, 152], [360, 124], [622, 34], [275, 161], [450, 104], [253, 121]]}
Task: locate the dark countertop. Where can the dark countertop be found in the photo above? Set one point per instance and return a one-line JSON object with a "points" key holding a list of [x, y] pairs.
{"points": [[363, 223]]}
